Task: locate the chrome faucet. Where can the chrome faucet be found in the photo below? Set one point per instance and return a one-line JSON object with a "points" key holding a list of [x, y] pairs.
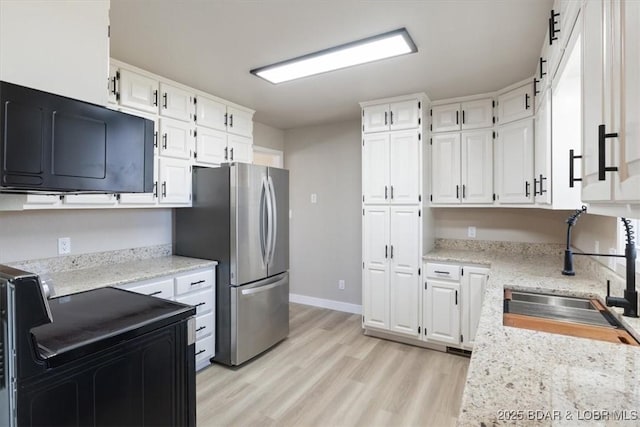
{"points": [[629, 302]]}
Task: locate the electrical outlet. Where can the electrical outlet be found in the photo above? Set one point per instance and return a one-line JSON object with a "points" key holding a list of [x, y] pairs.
{"points": [[314, 198], [64, 245], [341, 284], [471, 232]]}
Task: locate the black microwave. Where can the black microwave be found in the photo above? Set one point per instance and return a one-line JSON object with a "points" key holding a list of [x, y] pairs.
{"points": [[50, 143]]}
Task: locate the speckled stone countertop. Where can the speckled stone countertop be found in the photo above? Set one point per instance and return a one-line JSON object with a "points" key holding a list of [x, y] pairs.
{"points": [[524, 377], [68, 282]]}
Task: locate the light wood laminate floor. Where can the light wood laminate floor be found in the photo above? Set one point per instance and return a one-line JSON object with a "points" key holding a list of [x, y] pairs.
{"points": [[327, 373]]}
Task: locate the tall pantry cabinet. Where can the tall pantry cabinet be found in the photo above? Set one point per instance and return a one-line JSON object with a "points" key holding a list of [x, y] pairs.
{"points": [[392, 212]]}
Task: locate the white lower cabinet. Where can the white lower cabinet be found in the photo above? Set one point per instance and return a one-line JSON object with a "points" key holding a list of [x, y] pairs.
{"points": [[442, 311], [196, 288], [473, 285]]}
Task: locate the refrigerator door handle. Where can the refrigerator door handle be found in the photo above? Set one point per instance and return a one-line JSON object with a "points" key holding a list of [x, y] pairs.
{"points": [[263, 221], [273, 220], [269, 237]]}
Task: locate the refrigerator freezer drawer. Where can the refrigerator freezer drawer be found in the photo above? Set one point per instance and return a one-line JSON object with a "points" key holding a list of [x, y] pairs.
{"points": [[260, 316]]}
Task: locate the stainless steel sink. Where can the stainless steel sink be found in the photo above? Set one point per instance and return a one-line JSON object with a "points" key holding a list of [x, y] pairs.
{"points": [[569, 309]]}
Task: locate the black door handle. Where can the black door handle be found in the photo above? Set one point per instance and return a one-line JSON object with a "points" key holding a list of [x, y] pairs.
{"points": [[602, 168], [464, 187], [457, 191], [462, 116], [386, 251], [457, 117], [155, 98], [527, 193], [571, 168], [542, 61], [552, 27], [164, 100], [526, 101], [535, 186], [542, 179], [535, 86]]}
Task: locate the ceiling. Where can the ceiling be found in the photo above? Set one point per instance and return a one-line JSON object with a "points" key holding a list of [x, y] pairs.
{"points": [[465, 47]]}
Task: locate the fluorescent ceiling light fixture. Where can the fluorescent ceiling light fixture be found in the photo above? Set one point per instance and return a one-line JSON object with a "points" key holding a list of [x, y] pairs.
{"points": [[382, 46]]}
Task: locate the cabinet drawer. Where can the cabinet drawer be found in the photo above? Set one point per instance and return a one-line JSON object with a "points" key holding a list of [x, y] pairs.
{"points": [[204, 349], [160, 289], [443, 271], [194, 281], [204, 325], [202, 300]]}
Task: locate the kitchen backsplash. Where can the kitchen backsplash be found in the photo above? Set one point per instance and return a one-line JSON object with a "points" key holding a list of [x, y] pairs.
{"points": [[96, 259]]}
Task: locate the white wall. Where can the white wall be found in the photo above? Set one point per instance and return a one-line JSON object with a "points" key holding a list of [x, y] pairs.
{"points": [[268, 137], [325, 237], [31, 235]]}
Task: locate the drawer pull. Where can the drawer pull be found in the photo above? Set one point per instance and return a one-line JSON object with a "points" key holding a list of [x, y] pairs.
{"points": [[155, 293], [201, 328], [201, 351], [198, 282], [441, 272], [199, 304]]}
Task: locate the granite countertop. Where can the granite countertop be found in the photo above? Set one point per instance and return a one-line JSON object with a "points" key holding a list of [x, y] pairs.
{"points": [[117, 274], [525, 377]]}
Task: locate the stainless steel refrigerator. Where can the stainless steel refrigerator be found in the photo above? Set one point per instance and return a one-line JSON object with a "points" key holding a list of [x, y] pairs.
{"points": [[240, 218]]}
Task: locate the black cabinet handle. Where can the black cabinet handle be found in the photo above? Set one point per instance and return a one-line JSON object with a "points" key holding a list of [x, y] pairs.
{"points": [[200, 304], [542, 73], [527, 193], [552, 27], [392, 192], [155, 98], [197, 283], [226, 153], [155, 190], [542, 180], [386, 251], [462, 116], [535, 187], [385, 192], [457, 191], [456, 297], [200, 352], [535, 86], [164, 100], [526, 101], [391, 114], [391, 251], [113, 80], [155, 293], [441, 272], [164, 141], [457, 117], [602, 168], [231, 151], [464, 187], [226, 119], [201, 328], [385, 119], [164, 189], [231, 120], [155, 139], [572, 157]]}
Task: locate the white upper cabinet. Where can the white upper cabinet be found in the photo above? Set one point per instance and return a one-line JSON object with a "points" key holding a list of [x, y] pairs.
{"points": [[174, 181], [462, 116], [211, 147], [514, 162], [375, 168], [394, 116], [60, 47], [176, 139], [515, 104], [477, 167], [211, 114], [138, 91], [240, 149], [445, 168], [176, 103], [542, 149], [239, 122]]}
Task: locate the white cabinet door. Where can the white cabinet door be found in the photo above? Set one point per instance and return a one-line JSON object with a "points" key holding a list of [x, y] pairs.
{"points": [[477, 114], [175, 139], [514, 162], [176, 103], [441, 310], [239, 122], [404, 115], [627, 179], [473, 284], [404, 168], [375, 118], [210, 113], [138, 91], [211, 147], [477, 167], [375, 253], [445, 168], [60, 47], [240, 149], [375, 168], [445, 118], [542, 163], [404, 256], [174, 178], [515, 104]]}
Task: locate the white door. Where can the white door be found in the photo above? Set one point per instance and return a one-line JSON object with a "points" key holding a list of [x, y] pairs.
{"points": [[375, 118], [514, 162], [445, 168], [404, 167], [543, 144], [375, 168], [176, 103], [375, 255], [174, 179], [442, 311], [474, 284], [404, 256], [138, 91], [239, 122], [211, 147], [211, 114], [404, 115], [176, 139], [477, 167], [445, 118], [627, 180], [240, 149], [477, 114], [515, 104]]}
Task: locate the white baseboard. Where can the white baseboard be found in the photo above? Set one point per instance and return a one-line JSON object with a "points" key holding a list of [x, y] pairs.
{"points": [[326, 303]]}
